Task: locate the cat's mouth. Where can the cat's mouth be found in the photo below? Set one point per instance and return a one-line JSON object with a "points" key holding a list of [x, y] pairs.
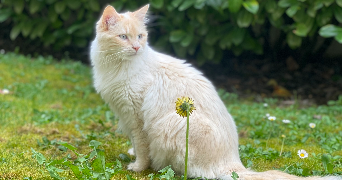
{"points": [[134, 53]]}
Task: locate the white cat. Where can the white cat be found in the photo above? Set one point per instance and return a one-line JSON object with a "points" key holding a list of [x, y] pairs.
{"points": [[141, 87]]}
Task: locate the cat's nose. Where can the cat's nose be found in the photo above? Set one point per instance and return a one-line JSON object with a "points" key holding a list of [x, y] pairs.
{"points": [[136, 48]]}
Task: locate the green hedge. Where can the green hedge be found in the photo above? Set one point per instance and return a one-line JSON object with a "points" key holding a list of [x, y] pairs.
{"points": [[202, 29]]}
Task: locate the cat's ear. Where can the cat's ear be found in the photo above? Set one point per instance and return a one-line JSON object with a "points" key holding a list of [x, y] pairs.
{"points": [[109, 16], [141, 13]]}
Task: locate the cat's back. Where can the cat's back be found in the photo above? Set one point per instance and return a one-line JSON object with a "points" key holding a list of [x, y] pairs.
{"points": [[174, 68]]}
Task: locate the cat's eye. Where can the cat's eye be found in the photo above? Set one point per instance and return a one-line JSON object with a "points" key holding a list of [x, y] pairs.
{"points": [[123, 36], [140, 36]]}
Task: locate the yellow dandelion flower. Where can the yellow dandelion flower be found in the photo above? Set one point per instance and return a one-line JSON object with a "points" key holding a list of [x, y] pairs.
{"points": [[283, 136], [182, 104]]}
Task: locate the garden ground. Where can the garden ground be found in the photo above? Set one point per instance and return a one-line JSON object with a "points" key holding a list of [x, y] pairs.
{"points": [[51, 111]]}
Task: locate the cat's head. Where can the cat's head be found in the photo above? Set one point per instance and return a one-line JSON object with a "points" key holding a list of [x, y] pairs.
{"points": [[123, 35]]}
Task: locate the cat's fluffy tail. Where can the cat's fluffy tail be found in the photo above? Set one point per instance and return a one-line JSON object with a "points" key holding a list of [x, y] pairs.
{"points": [[275, 175]]}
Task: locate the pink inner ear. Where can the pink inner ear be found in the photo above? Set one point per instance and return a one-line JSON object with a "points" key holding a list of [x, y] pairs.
{"points": [[109, 20], [109, 16]]}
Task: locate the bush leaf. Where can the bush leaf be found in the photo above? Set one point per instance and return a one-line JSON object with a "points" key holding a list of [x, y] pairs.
{"points": [[339, 2], [209, 51], [292, 11], [329, 30], [187, 40], [234, 5], [4, 14], [186, 4], [324, 17], [237, 36], [94, 5], [271, 6], [34, 6], [338, 37], [287, 3], [73, 4], [26, 29], [244, 19], [59, 7], [294, 42], [157, 3], [302, 29], [251, 6], [18, 6], [177, 35], [311, 11], [176, 3], [15, 31], [338, 13]]}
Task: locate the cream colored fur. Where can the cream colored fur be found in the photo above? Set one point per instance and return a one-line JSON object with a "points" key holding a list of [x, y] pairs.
{"points": [[141, 87]]}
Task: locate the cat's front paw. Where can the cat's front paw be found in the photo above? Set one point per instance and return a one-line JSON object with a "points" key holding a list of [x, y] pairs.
{"points": [[137, 167], [131, 152]]}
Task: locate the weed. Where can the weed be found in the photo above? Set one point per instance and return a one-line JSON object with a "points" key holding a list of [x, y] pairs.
{"points": [[90, 166]]}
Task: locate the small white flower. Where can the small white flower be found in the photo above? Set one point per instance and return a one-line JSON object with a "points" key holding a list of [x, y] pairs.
{"points": [[4, 91], [312, 125], [302, 153], [267, 115], [272, 118], [265, 105], [2, 51], [286, 121]]}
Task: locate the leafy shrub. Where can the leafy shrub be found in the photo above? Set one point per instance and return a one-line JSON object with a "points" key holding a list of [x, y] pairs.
{"points": [[54, 22], [206, 28], [201, 29]]}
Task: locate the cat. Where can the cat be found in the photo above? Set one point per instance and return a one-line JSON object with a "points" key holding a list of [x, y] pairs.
{"points": [[141, 87]]}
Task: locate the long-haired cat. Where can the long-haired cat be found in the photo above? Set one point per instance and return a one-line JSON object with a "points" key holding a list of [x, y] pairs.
{"points": [[141, 87]]}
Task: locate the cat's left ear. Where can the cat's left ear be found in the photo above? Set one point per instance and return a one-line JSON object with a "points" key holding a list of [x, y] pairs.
{"points": [[141, 13]]}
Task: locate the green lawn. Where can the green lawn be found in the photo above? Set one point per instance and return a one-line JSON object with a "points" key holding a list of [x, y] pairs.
{"points": [[54, 102]]}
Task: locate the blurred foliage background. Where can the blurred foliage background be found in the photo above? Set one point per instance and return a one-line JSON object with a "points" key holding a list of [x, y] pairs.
{"points": [[205, 30]]}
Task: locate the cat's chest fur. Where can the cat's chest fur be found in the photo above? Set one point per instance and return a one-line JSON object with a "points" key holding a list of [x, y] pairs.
{"points": [[123, 90]]}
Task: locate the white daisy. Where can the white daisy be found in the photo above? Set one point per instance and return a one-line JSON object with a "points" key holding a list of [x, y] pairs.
{"points": [[4, 91], [312, 125], [286, 121], [302, 153], [267, 115], [265, 105], [272, 118]]}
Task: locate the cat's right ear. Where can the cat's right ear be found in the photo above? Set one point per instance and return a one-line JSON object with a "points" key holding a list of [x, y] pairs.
{"points": [[109, 17]]}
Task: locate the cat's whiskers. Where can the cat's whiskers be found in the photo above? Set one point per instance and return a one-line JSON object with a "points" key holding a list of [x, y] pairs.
{"points": [[115, 58]]}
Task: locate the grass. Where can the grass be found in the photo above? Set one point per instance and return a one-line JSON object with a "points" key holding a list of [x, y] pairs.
{"points": [[52, 102]]}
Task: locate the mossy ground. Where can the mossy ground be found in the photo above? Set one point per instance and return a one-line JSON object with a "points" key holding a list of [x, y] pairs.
{"points": [[56, 100]]}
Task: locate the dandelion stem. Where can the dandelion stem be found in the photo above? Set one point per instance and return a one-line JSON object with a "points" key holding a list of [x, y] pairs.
{"points": [[269, 135], [187, 143], [282, 145]]}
